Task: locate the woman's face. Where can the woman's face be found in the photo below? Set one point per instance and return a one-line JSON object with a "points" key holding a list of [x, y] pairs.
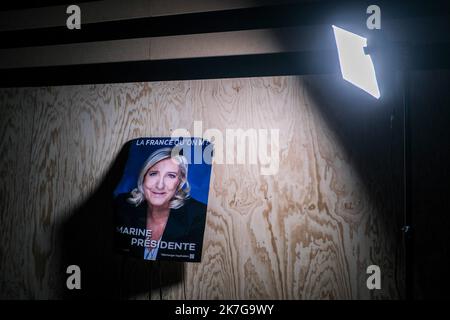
{"points": [[161, 182]]}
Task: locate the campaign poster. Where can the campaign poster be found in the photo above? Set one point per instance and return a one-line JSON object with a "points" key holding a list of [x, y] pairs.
{"points": [[161, 200]]}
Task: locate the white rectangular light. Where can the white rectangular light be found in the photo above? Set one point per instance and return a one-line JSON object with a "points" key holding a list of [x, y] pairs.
{"points": [[356, 67]]}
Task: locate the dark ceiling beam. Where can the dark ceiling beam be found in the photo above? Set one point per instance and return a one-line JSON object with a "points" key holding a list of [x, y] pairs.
{"points": [[177, 69], [315, 13]]}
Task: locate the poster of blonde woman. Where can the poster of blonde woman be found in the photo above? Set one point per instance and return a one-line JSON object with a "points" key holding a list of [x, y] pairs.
{"points": [[161, 200]]}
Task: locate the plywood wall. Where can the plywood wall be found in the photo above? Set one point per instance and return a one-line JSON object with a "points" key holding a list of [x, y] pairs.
{"points": [[307, 232]]}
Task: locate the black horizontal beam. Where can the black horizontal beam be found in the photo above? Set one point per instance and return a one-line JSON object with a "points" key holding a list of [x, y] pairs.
{"points": [[275, 16], [277, 64], [177, 69]]}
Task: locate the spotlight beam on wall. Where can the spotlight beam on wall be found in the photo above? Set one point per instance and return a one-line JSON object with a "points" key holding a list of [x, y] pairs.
{"points": [[356, 66]]}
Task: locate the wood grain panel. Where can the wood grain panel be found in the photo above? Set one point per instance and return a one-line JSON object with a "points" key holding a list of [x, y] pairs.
{"points": [[16, 119], [51, 187], [301, 233], [307, 232]]}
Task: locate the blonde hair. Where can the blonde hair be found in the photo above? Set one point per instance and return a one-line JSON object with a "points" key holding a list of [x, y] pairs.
{"points": [[182, 193]]}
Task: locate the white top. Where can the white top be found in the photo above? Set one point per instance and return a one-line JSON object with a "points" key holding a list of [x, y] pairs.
{"points": [[151, 253]]}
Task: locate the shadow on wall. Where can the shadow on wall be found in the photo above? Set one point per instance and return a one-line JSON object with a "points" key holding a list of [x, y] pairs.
{"points": [[88, 242], [369, 131]]}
